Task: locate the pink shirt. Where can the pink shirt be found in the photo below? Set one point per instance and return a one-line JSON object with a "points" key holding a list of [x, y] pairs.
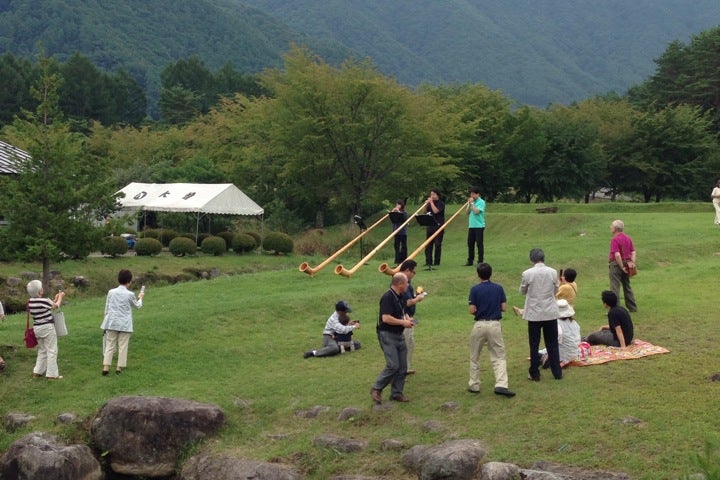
{"points": [[621, 243]]}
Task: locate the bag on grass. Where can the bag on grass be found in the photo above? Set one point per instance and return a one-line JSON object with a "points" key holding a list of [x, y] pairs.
{"points": [[60, 327]]}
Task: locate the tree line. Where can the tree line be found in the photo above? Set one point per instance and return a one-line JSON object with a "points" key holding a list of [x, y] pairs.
{"points": [[315, 144]]}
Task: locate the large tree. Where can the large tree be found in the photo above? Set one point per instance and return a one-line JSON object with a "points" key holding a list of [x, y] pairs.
{"points": [[54, 204], [349, 137], [679, 151], [686, 74]]}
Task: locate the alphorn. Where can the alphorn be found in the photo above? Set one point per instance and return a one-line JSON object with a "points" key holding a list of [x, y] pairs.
{"points": [[340, 270], [305, 267], [385, 268]]}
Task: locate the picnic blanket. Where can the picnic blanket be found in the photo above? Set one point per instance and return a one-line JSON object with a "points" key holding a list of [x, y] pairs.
{"points": [[603, 353]]}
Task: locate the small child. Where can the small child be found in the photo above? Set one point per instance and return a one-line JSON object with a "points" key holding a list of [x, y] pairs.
{"points": [[345, 341]]}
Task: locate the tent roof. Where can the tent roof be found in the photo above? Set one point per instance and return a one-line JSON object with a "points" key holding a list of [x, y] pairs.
{"points": [[220, 198], [11, 158]]}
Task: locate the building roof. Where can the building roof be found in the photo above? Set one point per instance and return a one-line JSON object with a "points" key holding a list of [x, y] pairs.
{"points": [[11, 158]]}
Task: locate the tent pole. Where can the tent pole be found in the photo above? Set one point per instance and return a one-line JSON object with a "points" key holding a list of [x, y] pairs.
{"points": [[197, 228]]}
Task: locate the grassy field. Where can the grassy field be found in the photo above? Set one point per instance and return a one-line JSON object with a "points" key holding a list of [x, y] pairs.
{"points": [[237, 341]]}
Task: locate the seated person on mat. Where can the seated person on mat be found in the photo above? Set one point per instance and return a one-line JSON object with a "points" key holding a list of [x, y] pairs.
{"points": [[619, 330], [568, 288], [338, 324], [568, 336]]}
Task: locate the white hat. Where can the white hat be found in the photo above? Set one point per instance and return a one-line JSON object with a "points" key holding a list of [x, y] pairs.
{"points": [[566, 310]]}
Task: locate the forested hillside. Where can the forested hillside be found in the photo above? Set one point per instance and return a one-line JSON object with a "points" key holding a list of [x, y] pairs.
{"points": [[144, 37], [536, 52]]}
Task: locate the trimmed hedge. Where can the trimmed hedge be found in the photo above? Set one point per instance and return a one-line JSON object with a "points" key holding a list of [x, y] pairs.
{"points": [[256, 236], [213, 246], [113, 246], [278, 242], [242, 242], [148, 247], [228, 237], [181, 246], [201, 238]]}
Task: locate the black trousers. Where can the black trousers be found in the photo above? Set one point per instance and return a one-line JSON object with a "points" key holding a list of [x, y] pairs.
{"points": [[400, 248], [550, 336], [475, 238], [436, 245]]}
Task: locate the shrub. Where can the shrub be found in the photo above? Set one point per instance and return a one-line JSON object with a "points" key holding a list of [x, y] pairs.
{"points": [[228, 237], [201, 238], [256, 236], [166, 236], [151, 233], [242, 242], [181, 246], [113, 246], [213, 246], [148, 246], [278, 242]]}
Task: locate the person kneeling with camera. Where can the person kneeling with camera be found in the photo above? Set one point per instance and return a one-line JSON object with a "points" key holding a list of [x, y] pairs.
{"points": [[338, 325]]}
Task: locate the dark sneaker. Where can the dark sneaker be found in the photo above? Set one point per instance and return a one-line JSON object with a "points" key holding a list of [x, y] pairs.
{"points": [[308, 354], [504, 391]]}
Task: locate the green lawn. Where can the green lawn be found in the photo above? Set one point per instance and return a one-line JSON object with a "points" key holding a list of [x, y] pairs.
{"points": [[241, 337]]}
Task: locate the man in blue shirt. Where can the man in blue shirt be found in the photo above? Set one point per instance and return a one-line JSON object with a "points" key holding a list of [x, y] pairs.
{"points": [[487, 302], [475, 211]]}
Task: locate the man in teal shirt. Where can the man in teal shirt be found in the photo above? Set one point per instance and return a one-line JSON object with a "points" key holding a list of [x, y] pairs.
{"points": [[476, 226]]}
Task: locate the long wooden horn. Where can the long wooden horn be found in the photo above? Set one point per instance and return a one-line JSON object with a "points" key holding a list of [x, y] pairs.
{"points": [[385, 268], [306, 268], [340, 270]]}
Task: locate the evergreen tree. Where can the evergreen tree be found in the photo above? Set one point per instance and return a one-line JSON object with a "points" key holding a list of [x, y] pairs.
{"points": [[53, 205]]}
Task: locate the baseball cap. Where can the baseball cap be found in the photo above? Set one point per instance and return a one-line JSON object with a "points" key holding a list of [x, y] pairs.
{"points": [[342, 306]]}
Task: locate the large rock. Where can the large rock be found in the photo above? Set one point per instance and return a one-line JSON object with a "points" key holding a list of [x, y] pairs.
{"points": [[145, 436], [206, 467], [500, 471], [453, 460], [42, 456]]}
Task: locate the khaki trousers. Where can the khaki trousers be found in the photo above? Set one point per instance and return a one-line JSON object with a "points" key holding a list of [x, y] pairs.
{"points": [[490, 333], [119, 341]]}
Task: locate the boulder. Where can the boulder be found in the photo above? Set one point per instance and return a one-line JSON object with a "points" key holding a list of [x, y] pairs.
{"points": [[206, 467], [341, 444], [146, 436], [456, 460], [15, 420], [542, 470], [500, 471], [41, 455]]}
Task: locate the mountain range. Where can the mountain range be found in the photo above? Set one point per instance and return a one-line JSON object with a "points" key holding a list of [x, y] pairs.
{"points": [[535, 51]]}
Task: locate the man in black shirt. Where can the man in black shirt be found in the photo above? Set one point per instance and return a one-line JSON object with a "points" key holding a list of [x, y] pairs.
{"points": [[619, 331], [436, 208], [392, 321]]}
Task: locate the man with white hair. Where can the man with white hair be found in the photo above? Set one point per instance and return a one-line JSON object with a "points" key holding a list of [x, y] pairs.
{"points": [[621, 262], [539, 285]]}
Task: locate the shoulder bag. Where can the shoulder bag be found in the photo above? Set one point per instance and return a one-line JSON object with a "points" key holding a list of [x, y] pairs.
{"points": [[60, 327], [30, 340]]}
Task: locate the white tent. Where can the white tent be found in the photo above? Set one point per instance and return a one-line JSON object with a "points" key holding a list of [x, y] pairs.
{"points": [[198, 198]]}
